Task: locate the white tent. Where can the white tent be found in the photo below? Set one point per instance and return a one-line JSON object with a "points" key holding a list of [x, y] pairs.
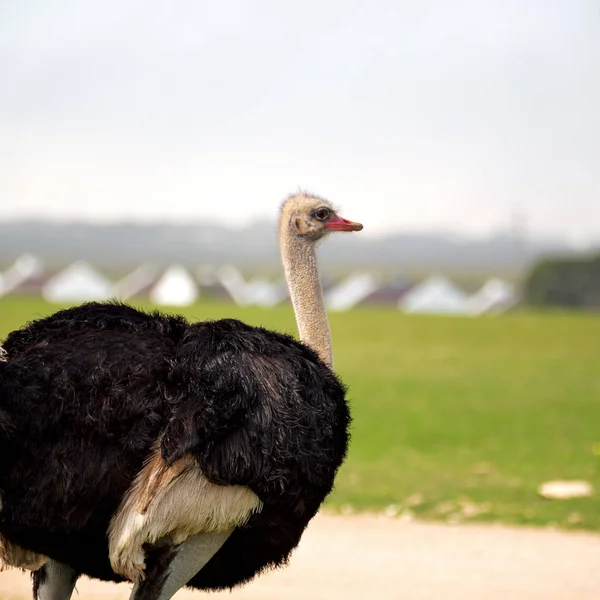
{"points": [[435, 295], [135, 282], [24, 268], [79, 282], [258, 290], [233, 281], [351, 291], [262, 292], [176, 287], [207, 275], [495, 296]]}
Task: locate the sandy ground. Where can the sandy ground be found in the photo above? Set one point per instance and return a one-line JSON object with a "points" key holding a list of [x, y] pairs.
{"points": [[370, 557]]}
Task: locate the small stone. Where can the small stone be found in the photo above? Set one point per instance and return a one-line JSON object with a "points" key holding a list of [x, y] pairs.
{"points": [[564, 489], [391, 511]]}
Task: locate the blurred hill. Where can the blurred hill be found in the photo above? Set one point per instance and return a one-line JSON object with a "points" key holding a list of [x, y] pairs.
{"points": [[123, 245]]}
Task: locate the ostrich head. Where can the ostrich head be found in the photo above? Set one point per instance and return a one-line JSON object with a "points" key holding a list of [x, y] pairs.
{"points": [[312, 218], [305, 220]]}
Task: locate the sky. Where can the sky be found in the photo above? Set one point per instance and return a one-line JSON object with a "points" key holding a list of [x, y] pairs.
{"points": [[456, 115]]}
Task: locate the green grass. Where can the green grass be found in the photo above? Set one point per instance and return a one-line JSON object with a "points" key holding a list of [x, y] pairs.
{"points": [[454, 418]]}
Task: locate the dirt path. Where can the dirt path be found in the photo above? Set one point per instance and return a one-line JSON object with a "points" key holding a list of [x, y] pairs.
{"points": [[368, 557]]}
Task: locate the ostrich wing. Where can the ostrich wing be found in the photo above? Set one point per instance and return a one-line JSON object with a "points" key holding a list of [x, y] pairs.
{"points": [[260, 410], [259, 427]]}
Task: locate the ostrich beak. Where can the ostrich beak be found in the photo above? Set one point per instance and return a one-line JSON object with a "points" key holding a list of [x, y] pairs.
{"points": [[339, 224]]}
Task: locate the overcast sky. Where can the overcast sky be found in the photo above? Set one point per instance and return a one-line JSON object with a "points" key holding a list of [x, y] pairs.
{"points": [[446, 114]]}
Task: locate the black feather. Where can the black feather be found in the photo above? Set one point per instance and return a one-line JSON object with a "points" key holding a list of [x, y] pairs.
{"points": [[86, 392]]}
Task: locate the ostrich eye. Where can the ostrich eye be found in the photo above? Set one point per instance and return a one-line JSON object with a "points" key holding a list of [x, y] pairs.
{"points": [[322, 214]]}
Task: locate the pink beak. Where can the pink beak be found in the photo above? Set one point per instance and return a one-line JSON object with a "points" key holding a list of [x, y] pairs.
{"points": [[338, 224]]}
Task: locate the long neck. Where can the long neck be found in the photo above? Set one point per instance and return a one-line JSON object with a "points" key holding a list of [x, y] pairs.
{"points": [[302, 274]]}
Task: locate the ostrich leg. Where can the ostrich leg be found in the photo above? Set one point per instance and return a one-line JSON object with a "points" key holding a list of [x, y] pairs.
{"points": [[54, 581], [169, 568]]}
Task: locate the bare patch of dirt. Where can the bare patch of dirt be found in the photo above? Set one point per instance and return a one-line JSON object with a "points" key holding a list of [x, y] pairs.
{"points": [[376, 557]]}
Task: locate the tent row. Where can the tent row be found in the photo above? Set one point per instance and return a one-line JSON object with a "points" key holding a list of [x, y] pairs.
{"points": [[171, 286], [178, 286], [438, 295]]}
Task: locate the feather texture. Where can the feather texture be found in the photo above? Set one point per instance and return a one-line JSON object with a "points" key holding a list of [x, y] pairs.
{"points": [[90, 390]]}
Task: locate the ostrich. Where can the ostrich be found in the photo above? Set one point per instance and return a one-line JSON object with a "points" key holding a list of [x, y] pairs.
{"points": [[137, 446]]}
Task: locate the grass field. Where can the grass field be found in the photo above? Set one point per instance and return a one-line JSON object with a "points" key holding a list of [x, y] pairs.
{"points": [[454, 418]]}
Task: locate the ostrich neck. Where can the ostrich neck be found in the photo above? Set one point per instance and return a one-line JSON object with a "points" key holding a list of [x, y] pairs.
{"points": [[302, 275]]}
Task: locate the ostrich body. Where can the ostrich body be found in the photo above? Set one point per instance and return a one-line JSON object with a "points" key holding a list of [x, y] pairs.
{"points": [[139, 446]]}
